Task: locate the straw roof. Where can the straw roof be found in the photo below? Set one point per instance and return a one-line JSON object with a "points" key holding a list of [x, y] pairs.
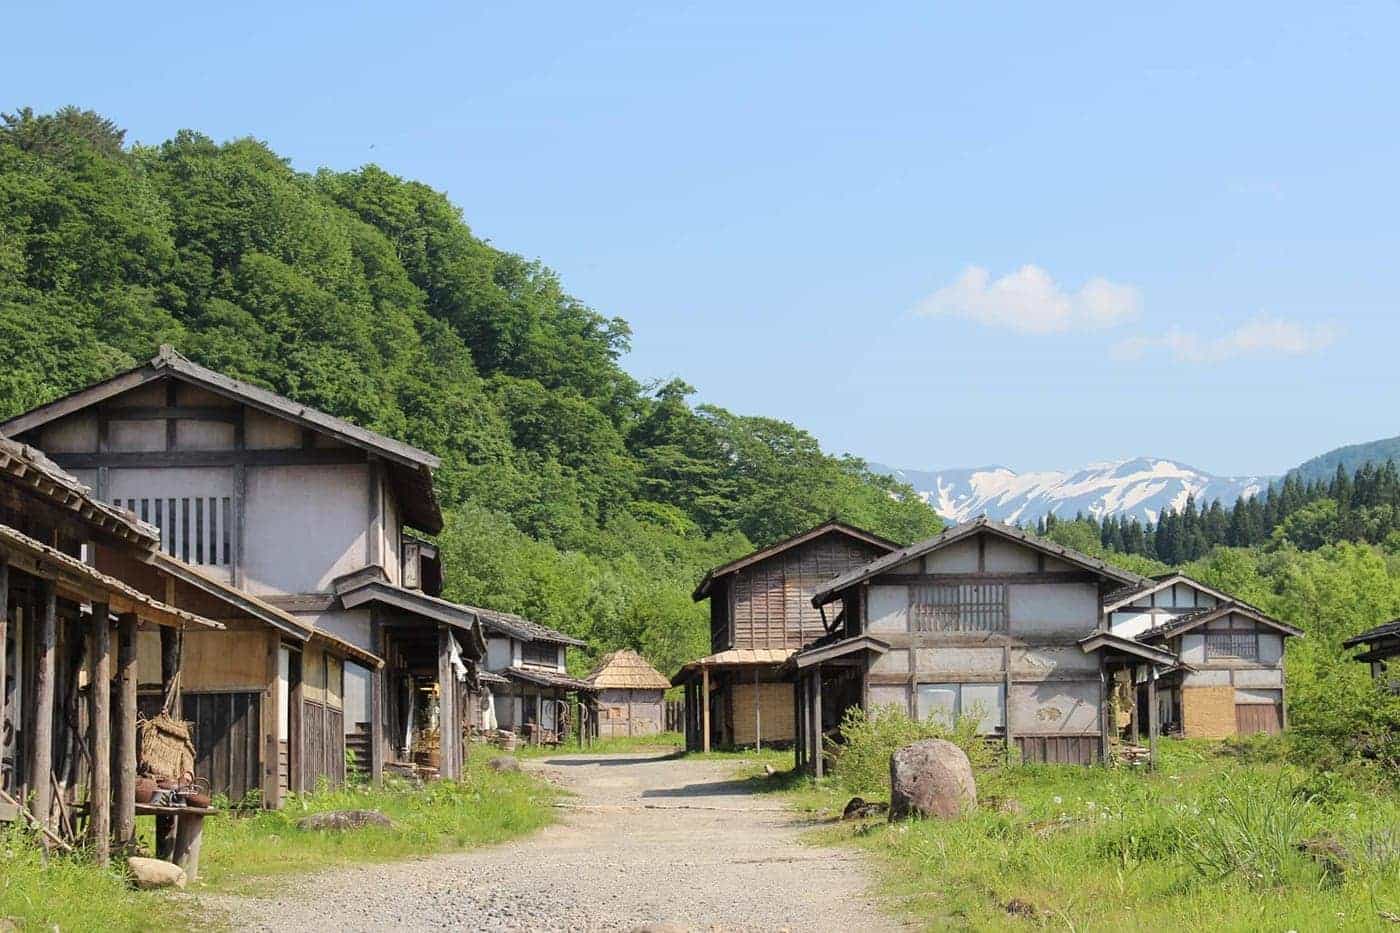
{"points": [[626, 670]]}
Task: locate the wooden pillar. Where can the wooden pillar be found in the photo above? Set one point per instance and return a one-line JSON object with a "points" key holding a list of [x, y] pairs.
{"points": [[377, 731], [124, 784], [705, 708], [1152, 716], [449, 729], [4, 631], [270, 722], [757, 714], [797, 723], [100, 726], [817, 722], [41, 745], [1108, 722], [1005, 702]]}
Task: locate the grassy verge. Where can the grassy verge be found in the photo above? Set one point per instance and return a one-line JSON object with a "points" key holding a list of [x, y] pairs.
{"points": [[242, 852], [1209, 841]]}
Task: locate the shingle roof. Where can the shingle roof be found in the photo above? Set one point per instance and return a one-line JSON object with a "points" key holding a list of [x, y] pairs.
{"points": [[547, 679], [957, 533], [1190, 620], [29, 468], [1388, 630], [521, 627], [626, 670]]}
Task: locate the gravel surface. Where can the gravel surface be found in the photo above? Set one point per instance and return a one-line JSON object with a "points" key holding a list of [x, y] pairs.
{"points": [[649, 840]]}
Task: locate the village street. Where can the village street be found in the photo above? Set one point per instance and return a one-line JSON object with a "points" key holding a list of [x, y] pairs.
{"points": [[649, 839]]}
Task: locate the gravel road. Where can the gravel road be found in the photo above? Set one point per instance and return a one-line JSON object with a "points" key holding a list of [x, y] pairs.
{"points": [[649, 840]]}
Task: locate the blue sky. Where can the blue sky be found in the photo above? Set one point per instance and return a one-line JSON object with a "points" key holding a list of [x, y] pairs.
{"points": [[1035, 235]]}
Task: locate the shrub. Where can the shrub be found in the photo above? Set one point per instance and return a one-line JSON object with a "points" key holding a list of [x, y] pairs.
{"points": [[861, 758], [1250, 829]]}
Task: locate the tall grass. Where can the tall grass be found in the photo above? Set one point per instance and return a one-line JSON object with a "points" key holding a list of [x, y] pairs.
{"points": [[861, 759]]}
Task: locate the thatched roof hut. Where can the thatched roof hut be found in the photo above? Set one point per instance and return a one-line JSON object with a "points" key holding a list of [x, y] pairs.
{"points": [[630, 694]]}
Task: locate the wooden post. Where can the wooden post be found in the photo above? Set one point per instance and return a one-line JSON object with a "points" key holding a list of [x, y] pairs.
{"points": [[1108, 722], [124, 785], [41, 747], [100, 724], [1006, 702], [757, 715], [448, 727], [705, 708], [1152, 717], [4, 632], [377, 732], [269, 721], [797, 723], [817, 721], [170, 666]]}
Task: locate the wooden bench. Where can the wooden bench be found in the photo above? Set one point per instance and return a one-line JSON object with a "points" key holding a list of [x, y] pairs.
{"points": [[179, 834]]}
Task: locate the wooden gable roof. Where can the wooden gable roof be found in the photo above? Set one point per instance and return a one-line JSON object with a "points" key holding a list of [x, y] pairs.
{"points": [[829, 527], [411, 468], [983, 525]]}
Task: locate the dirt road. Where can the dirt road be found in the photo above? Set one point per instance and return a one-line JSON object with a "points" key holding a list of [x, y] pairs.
{"points": [[647, 840]]}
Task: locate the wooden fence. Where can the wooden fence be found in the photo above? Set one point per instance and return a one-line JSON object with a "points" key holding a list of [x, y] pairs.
{"points": [[675, 716]]}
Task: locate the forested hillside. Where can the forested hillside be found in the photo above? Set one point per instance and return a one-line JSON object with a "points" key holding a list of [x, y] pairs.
{"points": [[574, 493]]}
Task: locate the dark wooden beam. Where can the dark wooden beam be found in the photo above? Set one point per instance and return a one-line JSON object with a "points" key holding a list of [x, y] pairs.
{"points": [[124, 783], [926, 579], [41, 744], [449, 725], [158, 459], [100, 727]]}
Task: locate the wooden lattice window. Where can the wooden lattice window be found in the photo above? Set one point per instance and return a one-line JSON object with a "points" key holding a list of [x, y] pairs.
{"points": [[958, 607], [540, 652], [1241, 645], [197, 530]]}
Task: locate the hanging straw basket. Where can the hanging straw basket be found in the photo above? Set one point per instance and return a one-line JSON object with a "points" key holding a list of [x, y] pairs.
{"points": [[166, 750]]}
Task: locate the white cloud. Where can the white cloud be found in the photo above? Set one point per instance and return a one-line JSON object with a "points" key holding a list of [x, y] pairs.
{"points": [[1260, 336], [1028, 300]]}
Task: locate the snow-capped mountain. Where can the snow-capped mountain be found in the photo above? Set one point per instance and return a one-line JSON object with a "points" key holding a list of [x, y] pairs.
{"points": [[1143, 487]]}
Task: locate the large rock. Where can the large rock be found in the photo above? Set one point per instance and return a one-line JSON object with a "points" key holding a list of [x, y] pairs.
{"points": [[151, 873], [503, 763], [345, 819], [932, 777]]}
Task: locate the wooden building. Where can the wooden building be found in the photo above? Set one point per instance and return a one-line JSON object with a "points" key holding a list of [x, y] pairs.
{"points": [[761, 612], [306, 519], [631, 695], [1230, 680], [1381, 648], [984, 619], [69, 660], [538, 696]]}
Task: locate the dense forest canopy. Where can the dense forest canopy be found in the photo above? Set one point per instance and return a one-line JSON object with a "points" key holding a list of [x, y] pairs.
{"points": [[574, 493]]}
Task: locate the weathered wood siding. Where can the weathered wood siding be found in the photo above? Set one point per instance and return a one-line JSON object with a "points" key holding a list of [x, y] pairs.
{"points": [[630, 712], [770, 602], [227, 740]]}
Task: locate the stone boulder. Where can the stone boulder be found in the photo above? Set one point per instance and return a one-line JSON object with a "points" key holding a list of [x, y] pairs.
{"points": [[151, 873], [933, 778], [345, 819], [503, 763]]}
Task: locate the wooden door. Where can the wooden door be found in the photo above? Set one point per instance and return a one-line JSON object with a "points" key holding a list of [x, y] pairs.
{"points": [[1251, 718]]}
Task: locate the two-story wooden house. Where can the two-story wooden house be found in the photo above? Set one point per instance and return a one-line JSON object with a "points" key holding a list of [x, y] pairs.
{"points": [[761, 612], [1381, 647], [984, 619], [532, 695], [304, 513], [1231, 678]]}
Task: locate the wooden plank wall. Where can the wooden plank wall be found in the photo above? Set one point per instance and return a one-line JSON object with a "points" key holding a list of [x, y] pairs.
{"points": [[772, 600], [227, 740], [1057, 749]]}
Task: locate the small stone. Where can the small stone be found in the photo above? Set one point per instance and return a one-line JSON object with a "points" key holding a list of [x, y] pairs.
{"points": [[152, 873], [503, 763], [858, 808], [1019, 908]]}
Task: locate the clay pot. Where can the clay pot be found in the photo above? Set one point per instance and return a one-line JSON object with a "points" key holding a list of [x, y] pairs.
{"points": [[145, 789], [198, 799]]}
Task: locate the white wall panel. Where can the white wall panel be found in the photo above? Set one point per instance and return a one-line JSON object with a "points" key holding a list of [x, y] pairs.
{"points": [[888, 609], [1055, 708], [1053, 608]]}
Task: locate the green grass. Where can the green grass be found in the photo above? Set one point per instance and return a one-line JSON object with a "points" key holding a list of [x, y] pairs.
{"points": [[243, 852], [1209, 841]]}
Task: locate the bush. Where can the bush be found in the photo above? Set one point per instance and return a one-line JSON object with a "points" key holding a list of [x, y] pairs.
{"points": [[1251, 830], [862, 755]]}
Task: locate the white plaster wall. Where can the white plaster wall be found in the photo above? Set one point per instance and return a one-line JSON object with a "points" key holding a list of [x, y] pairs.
{"points": [[1129, 623], [1270, 647], [203, 435], [357, 695], [967, 660], [264, 432], [498, 654], [136, 436], [888, 609], [887, 695], [1005, 557], [392, 549], [75, 434], [1055, 708], [1267, 677], [1211, 678], [353, 625], [1053, 608], [894, 661], [958, 557], [1047, 662], [306, 525], [1193, 648], [1259, 696], [1055, 565]]}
